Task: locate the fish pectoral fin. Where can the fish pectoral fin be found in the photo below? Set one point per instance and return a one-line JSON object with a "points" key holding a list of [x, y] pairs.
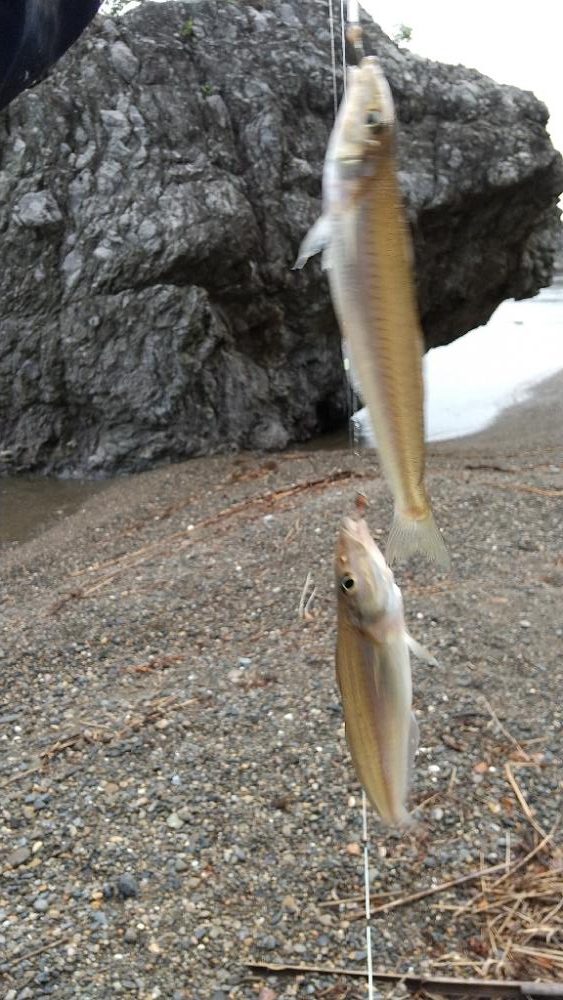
{"points": [[316, 240], [421, 652]]}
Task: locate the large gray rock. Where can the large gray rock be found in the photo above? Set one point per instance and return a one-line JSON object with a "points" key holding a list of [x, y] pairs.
{"points": [[153, 193]]}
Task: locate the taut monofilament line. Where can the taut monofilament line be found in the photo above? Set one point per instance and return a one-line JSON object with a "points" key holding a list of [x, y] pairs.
{"points": [[333, 56], [365, 839], [355, 30]]}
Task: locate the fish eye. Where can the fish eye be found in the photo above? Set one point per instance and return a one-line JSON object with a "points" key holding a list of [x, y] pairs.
{"points": [[373, 121], [347, 583]]}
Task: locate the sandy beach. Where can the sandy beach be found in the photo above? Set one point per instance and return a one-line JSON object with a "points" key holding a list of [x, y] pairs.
{"points": [[177, 799]]}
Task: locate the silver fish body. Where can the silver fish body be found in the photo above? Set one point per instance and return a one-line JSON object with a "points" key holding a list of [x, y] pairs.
{"points": [[368, 255], [373, 672]]}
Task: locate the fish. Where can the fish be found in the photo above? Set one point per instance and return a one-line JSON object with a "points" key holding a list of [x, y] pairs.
{"points": [[364, 238], [374, 673]]}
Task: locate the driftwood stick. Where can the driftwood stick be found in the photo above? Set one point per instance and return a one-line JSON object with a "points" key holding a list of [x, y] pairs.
{"points": [[422, 893], [26, 955], [503, 729], [522, 800], [485, 988]]}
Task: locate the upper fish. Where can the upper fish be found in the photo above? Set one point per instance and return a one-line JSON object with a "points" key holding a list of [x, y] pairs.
{"points": [[373, 671], [364, 234]]}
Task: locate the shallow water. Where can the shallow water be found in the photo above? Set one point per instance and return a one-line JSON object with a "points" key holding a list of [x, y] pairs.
{"points": [[28, 506], [468, 384]]}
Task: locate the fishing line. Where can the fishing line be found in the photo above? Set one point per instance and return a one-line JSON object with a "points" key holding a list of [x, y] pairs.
{"points": [[333, 56], [353, 18], [365, 839], [343, 33]]}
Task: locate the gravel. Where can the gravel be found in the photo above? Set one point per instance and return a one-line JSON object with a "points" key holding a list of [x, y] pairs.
{"points": [[177, 795]]}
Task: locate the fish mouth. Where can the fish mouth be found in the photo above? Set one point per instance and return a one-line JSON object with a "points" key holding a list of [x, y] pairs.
{"points": [[354, 534], [356, 529]]}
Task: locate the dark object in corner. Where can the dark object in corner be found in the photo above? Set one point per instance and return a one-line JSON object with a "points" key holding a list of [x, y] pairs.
{"points": [[33, 35]]}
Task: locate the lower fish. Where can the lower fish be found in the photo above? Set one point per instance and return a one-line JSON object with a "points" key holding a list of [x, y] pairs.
{"points": [[373, 672]]}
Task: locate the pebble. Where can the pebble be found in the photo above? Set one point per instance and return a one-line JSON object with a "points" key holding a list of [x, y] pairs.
{"points": [[127, 886], [131, 935], [290, 904], [174, 821], [41, 904], [18, 857], [268, 942]]}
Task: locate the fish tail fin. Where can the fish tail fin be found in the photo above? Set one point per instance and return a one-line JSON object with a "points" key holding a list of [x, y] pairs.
{"points": [[408, 536]]}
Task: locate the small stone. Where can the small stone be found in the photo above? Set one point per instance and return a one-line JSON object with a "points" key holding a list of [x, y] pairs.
{"points": [[267, 994], [127, 886], [268, 942], [354, 849], [290, 904], [525, 623], [41, 904], [18, 857], [174, 821], [131, 935], [437, 813], [181, 865]]}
